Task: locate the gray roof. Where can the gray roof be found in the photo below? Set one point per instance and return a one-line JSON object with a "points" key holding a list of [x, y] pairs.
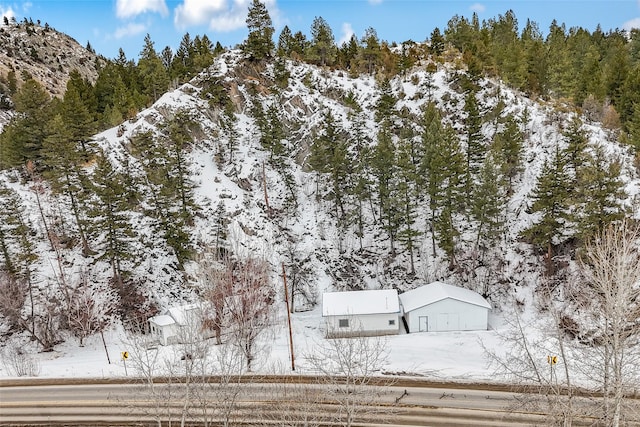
{"points": [[438, 291]]}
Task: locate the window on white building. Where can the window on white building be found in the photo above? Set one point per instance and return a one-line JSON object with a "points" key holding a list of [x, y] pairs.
{"points": [[343, 323], [392, 322]]}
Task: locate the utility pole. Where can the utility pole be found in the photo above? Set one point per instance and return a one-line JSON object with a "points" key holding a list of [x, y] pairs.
{"points": [[286, 299]]}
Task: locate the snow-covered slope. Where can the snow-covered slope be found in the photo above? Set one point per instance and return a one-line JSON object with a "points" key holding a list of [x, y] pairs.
{"points": [[243, 179]]}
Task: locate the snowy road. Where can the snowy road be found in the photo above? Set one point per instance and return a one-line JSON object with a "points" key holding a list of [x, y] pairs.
{"points": [[261, 403]]}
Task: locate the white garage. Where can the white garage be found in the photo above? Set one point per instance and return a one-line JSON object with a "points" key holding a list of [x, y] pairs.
{"points": [[438, 307], [361, 313]]}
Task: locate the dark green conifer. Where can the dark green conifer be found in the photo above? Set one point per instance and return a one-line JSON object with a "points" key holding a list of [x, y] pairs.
{"points": [[285, 42], [259, 44], [507, 151], [154, 76], [383, 167], [600, 193], [322, 47], [551, 203], [110, 218]]}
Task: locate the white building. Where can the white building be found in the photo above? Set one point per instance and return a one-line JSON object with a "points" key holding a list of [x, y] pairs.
{"points": [[361, 313], [440, 307], [170, 327]]}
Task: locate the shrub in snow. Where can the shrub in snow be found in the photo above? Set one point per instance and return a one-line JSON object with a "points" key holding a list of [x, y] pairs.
{"points": [[19, 363]]}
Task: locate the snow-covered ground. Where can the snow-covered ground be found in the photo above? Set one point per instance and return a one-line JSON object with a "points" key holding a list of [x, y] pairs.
{"points": [[455, 356]]}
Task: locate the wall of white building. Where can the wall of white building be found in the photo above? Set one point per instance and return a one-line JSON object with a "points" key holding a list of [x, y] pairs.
{"points": [[448, 315], [363, 325]]}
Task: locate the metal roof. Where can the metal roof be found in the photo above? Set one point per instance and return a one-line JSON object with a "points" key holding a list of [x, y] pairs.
{"points": [[360, 302], [437, 291]]}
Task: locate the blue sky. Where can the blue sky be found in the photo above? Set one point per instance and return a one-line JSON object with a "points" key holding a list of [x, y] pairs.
{"points": [[111, 24]]}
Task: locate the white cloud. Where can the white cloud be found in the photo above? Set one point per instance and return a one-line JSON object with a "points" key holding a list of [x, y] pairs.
{"points": [[219, 15], [8, 13], [477, 7], [632, 23], [129, 30], [196, 12], [130, 8], [347, 32]]}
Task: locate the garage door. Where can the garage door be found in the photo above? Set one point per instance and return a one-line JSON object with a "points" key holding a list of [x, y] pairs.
{"points": [[448, 322]]}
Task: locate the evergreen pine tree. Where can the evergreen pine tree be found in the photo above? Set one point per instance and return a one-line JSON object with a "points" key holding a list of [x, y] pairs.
{"points": [[385, 107], [18, 246], [9, 222], [408, 197], [551, 203], [559, 67], [534, 80], [436, 45], [634, 129], [78, 119], [348, 54], [109, 218], [600, 193], [178, 140], [507, 150], [27, 130], [407, 57], [475, 144], [507, 49], [330, 155], [272, 132], [285, 42], [203, 53], [62, 156], [370, 50], [360, 141], [488, 205], [259, 44], [169, 184], [383, 166], [181, 66], [431, 135], [154, 76], [298, 45], [86, 92], [446, 175], [322, 47], [577, 142]]}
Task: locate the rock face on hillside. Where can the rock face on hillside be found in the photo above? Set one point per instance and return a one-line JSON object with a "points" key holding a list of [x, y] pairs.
{"points": [[45, 54]]}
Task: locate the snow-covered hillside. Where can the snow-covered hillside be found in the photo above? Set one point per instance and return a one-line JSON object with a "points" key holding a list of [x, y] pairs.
{"points": [[278, 212]]}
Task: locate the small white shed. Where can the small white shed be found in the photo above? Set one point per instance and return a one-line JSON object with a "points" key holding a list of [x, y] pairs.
{"points": [[361, 313], [441, 307], [167, 327]]}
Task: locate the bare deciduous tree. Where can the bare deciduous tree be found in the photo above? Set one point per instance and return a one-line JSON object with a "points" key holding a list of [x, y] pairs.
{"points": [[302, 287], [47, 320], [13, 294], [531, 360], [194, 379], [250, 307], [241, 299], [349, 366], [216, 277], [610, 267], [295, 403], [90, 309]]}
